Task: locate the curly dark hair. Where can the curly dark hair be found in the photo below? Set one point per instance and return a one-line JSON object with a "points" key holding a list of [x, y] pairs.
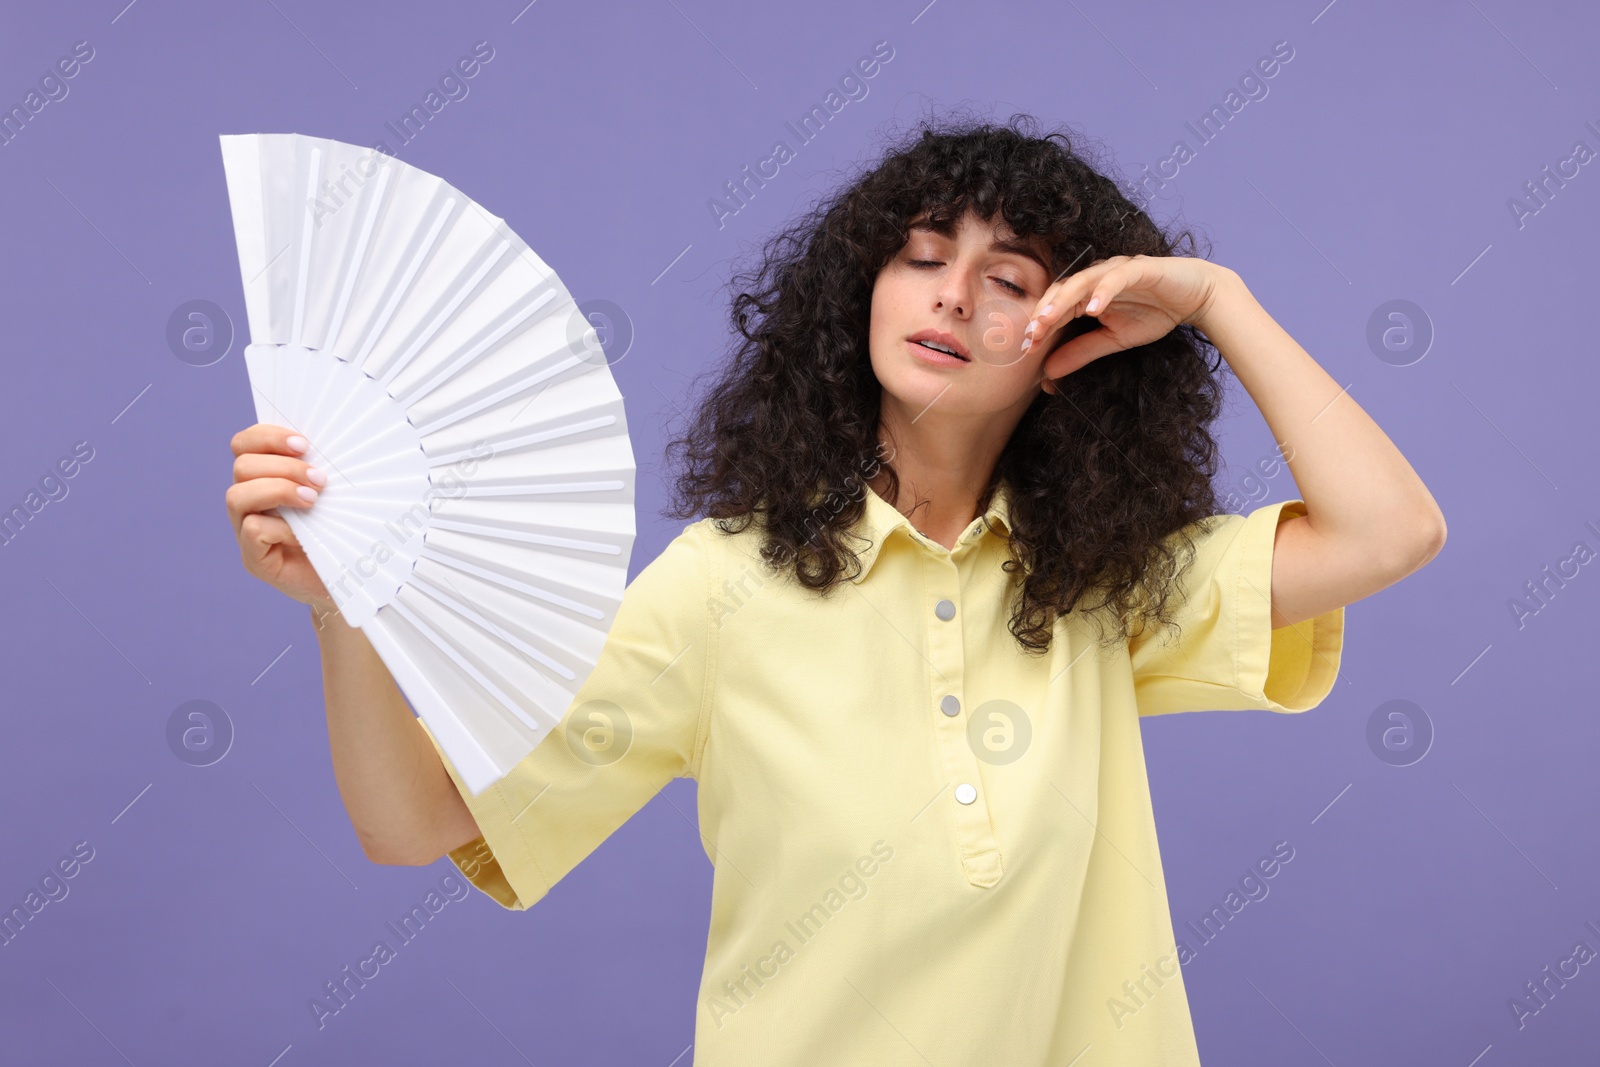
{"points": [[1101, 474]]}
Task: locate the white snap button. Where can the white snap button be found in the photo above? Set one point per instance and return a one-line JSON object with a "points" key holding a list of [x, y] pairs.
{"points": [[945, 609], [950, 705], [966, 793]]}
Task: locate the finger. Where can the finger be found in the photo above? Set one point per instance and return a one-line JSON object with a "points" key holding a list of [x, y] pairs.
{"points": [[263, 494], [266, 437], [1063, 301], [1132, 272], [1080, 352], [260, 532], [266, 465], [1105, 289], [1097, 294], [1067, 293]]}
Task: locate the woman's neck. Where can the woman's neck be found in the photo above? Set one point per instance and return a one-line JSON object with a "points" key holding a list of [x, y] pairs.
{"points": [[939, 502]]}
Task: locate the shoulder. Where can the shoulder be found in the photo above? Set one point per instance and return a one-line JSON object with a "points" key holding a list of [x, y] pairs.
{"points": [[1247, 533], [1201, 557], [699, 554], [1204, 532], [1215, 540], [731, 544], [686, 555]]}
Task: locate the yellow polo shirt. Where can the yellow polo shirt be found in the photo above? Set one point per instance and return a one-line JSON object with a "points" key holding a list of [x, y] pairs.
{"points": [[929, 845]]}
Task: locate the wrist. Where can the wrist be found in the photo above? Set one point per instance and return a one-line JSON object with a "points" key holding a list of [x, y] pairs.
{"points": [[323, 614], [1227, 290]]}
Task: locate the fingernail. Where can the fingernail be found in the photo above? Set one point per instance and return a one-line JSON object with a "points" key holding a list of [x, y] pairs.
{"points": [[1047, 309], [1032, 325], [1027, 344], [308, 494], [298, 443], [316, 477], [1094, 305]]}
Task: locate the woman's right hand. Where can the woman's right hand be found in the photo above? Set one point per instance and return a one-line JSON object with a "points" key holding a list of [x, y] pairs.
{"points": [[269, 473]]}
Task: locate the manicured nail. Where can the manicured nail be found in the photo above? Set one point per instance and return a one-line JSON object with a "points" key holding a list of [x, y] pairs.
{"points": [[1033, 324], [308, 494], [1027, 344], [1094, 305], [298, 443], [315, 476], [1047, 309]]}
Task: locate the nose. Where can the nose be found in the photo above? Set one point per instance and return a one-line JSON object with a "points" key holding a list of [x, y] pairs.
{"points": [[955, 290]]}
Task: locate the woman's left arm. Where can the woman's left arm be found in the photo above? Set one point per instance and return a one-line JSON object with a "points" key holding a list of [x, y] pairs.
{"points": [[1369, 519]]}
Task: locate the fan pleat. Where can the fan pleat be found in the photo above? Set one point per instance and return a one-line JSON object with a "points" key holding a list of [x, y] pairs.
{"points": [[576, 451], [402, 286], [453, 302], [342, 405], [382, 445], [552, 540], [357, 258], [612, 485], [464, 661], [465, 357], [507, 676], [601, 520], [380, 488], [549, 662], [464, 410], [569, 640], [528, 588], [307, 215]]}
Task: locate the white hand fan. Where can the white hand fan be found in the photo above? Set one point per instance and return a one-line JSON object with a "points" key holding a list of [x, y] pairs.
{"points": [[478, 516]]}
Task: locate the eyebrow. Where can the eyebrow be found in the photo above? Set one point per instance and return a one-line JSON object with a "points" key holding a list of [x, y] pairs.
{"points": [[1016, 246]]}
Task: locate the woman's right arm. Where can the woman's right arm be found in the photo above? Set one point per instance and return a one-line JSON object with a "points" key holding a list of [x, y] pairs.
{"points": [[401, 801]]}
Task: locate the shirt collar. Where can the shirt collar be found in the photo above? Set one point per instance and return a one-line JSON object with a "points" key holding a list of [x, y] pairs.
{"points": [[881, 520]]}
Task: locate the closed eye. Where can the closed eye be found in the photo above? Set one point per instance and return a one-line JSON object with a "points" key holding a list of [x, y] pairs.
{"points": [[1012, 286]]}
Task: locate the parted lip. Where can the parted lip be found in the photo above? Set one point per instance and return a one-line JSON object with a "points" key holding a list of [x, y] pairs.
{"points": [[939, 337]]}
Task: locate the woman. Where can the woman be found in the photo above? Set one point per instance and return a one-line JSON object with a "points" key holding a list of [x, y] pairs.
{"points": [[958, 535]]}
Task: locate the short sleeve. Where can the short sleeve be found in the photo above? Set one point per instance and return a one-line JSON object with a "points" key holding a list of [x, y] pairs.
{"points": [[636, 723], [1226, 656]]}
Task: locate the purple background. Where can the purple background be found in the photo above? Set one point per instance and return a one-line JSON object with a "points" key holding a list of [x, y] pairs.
{"points": [[1378, 167]]}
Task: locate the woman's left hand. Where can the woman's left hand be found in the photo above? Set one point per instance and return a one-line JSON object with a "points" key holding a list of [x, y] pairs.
{"points": [[1138, 299]]}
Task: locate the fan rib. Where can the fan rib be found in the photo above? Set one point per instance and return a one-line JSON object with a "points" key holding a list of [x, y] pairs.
{"points": [[610, 485], [313, 173], [375, 330], [485, 623], [363, 246], [444, 645], [511, 583], [335, 420], [557, 432], [450, 418], [522, 535], [467, 355], [463, 289]]}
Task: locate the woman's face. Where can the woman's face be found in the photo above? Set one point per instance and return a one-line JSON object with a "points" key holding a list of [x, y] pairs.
{"points": [[971, 287]]}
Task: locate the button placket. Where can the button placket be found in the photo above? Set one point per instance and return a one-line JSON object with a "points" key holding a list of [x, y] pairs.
{"points": [[967, 804]]}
